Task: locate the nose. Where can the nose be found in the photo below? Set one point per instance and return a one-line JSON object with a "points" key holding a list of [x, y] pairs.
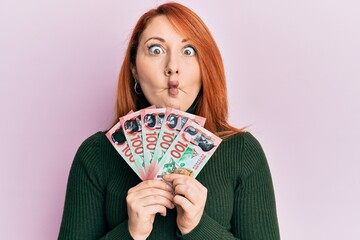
{"points": [[168, 72], [172, 65]]}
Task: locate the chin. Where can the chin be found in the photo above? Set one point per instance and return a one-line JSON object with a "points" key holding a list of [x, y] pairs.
{"points": [[174, 105]]}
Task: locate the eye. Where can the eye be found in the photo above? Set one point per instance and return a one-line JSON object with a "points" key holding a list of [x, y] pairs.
{"points": [[189, 51], [155, 49]]}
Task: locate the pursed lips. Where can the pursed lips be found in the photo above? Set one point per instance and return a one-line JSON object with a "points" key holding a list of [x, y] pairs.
{"points": [[173, 87]]}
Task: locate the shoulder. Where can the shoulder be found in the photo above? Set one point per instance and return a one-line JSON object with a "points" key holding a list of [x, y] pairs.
{"points": [[251, 144], [92, 141], [90, 146], [248, 151], [244, 141], [95, 144], [89, 155]]}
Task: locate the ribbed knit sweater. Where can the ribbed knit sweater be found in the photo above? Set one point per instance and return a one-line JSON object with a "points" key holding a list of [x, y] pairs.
{"points": [[240, 202]]}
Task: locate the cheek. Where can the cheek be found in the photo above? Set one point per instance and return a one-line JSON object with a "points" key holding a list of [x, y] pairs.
{"points": [[150, 72], [194, 77], [148, 77]]}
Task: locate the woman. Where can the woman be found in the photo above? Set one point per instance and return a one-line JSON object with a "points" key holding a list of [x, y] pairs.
{"points": [[172, 61]]}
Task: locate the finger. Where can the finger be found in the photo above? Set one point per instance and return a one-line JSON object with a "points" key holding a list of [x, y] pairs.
{"points": [[152, 192], [156, 200], [181, 179], [187, 192], [196, 187], [171, 177], [184, 203], [150, 184], [153, 209], [139, 206]]}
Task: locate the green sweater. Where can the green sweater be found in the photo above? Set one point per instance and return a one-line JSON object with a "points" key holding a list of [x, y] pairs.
{"points": [[240, 202]]}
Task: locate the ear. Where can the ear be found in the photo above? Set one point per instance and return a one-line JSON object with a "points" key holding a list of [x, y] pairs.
{"points": [[133, 71]]}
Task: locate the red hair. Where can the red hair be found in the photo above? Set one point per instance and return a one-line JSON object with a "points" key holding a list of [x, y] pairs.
{"points": [[212, 99]]}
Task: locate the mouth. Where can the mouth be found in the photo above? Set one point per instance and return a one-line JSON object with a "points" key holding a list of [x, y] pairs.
{"points": [[173, 87], [173, 91]]}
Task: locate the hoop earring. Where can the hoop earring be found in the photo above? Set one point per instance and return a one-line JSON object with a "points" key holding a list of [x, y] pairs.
{"points": [[136, 87]]}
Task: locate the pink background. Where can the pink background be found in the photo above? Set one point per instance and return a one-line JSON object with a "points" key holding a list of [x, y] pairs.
{"points": [[293, 77]]}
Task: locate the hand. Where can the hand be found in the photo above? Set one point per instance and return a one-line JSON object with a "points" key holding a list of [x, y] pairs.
{"points": [[190, 199], [143, 202]]}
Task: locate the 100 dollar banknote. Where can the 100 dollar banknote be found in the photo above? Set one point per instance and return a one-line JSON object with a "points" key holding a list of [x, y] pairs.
{"points": [[152, 120], [174, 121], [189, 152], [117, 138], [132, 126]]}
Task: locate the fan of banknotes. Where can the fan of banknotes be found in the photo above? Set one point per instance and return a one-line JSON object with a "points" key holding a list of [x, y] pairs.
{"points": [[157, 141]]}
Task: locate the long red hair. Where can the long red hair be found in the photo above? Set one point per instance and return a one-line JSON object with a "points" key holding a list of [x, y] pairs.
{"points": [[212, 99]]}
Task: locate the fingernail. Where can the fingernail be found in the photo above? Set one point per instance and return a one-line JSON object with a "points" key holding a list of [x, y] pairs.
{"points": [[166, 176]]}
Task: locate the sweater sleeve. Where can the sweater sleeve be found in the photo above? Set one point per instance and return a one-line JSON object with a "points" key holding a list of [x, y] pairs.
{"points": [[209, 229], [254, 214], [84, 216]]}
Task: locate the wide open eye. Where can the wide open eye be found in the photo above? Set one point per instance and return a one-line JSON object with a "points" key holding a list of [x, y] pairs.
{"points": [[189, 51], [155, 50]]}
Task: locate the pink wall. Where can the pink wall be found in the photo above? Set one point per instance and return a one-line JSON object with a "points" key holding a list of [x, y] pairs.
{"points": [[293, 73]]}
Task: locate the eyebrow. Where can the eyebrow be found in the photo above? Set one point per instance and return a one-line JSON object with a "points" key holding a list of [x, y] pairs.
{"points": [[161, 39]]}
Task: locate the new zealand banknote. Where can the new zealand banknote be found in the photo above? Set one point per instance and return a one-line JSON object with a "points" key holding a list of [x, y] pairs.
{"points": [[117, 138], [174, 121], [152, 120], [189, 152], [132, 126]]}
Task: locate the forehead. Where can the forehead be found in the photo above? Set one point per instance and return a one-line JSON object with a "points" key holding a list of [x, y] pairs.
{"points": [[161, 27]]}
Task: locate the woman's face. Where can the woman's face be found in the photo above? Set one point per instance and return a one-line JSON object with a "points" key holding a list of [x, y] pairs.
{"points": [[167, 66]]}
